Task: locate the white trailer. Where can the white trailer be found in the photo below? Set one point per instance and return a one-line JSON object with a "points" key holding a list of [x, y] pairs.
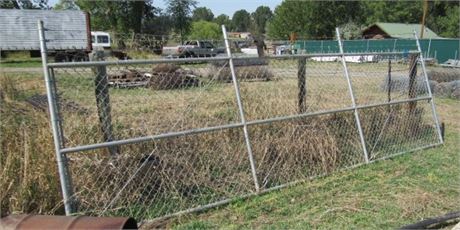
{"points": [[67, 32]]}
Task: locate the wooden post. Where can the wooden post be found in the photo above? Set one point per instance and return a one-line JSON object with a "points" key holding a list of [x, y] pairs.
{"points": [[389, 84], [389, 80], [302, 84], [260, 44], [103, 101], [412, 81], [412, 119]]}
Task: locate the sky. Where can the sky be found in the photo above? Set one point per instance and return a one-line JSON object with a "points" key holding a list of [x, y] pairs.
{"points": [[227, 7]]}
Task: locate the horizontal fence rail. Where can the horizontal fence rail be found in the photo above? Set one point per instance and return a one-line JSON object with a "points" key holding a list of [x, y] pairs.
{"points": [[157, 138]]}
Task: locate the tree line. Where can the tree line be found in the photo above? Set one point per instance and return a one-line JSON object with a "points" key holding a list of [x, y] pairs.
{"points": [[307, 19], [317, 19]]}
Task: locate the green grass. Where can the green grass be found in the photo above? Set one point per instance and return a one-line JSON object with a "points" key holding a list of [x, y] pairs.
{"points": [[383, 195], [20, 59], [31, 62]]}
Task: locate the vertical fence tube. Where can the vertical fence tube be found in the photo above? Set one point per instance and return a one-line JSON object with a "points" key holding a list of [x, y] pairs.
{"points": [[64, 175], [433, 107], [302, 84], [241, 110], [103, 101], [353, 101]]}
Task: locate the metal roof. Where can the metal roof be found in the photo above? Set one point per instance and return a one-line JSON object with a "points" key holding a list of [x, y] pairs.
{"points": [[65, 29], [403, 30]]}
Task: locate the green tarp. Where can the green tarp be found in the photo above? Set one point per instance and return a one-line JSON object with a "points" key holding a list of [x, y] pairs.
{"points": [[441, 49]]}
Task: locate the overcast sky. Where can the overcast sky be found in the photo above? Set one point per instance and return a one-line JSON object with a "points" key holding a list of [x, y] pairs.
{"points": [[227, 7]]}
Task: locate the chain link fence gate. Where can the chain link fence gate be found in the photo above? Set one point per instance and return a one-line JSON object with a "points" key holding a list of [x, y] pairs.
{"points": [[156, 138]]}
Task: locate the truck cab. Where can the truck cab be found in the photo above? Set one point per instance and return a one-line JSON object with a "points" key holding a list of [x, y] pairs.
{"points": [[100, 40]]}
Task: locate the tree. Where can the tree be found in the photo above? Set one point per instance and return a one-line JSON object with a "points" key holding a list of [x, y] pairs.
{"points": [[261, 16], [392, 11], [206, 30], [313, 19], [159, 24], [180, 11], [66, 5], [324, 17], [24, 4], [223, 19], [289, 17], [448, 25], [241, 20], [202, 13], [351, 31], [120, 16], [443, 18]]}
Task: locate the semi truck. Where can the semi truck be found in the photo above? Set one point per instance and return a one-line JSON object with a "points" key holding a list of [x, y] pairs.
{"points": [[68, 34]]}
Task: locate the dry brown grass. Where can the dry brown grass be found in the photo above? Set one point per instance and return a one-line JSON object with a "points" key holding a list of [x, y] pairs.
{"points": [[179, 173], [28, 172], [443, 74], [415, 202]]}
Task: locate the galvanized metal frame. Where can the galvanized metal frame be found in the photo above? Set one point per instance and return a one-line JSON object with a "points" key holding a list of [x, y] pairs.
{"points": [[430, 94], [64, 176], [241, 110], [213, 59], [61, 150], [352, 96]]}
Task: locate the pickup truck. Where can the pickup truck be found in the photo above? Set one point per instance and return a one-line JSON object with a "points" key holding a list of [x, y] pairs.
{"points": [[193, 49]]}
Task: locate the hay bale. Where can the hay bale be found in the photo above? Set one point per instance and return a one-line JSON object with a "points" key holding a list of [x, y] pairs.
{"points": [[455, 90], [443, 89], [243, 73], [444, 74], [174, 80], [456, 94], [171, 76], [165, 68], [127, 78], [401, 83]]}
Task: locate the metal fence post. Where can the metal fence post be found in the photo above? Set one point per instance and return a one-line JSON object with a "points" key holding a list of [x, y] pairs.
{"points": [[353, 101], [64, 175], [241, 110], [433, 107]]}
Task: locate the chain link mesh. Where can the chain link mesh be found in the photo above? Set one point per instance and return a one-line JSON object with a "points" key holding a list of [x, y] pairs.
{"points": [[297, 109]]}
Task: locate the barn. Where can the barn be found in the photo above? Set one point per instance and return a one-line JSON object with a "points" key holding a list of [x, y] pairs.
{"points": [[396, 30]]}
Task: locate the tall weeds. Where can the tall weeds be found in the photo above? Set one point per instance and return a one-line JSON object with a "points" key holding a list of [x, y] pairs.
{"points": [[28, 172]]}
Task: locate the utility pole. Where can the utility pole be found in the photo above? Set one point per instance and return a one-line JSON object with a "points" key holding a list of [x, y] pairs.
{"points": [[425, 9]]}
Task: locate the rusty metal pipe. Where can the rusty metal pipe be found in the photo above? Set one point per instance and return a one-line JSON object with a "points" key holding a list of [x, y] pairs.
{"points": [[66, 222]]}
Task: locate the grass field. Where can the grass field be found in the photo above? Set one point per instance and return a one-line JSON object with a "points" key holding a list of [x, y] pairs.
{"points": [[20, 59]]}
